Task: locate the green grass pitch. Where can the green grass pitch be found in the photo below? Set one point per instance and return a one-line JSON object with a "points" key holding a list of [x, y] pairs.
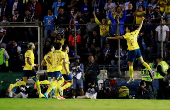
{"points": [[83, 104]]}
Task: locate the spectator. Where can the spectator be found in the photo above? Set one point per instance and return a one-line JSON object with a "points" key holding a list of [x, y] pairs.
{"points": [[49, 20], [158, 37], [17, 5], [98, 55], [74, 20], [161, 69], [108, 6], [107, 53], [15, 60], [138, 14], [17, 17], [149, 44], [104, 29], [62, 18], [19, 92], [142, 3], [98, 6], [74, 6], [59, 38], [3, 38], [56, 6], [162, 4], [85, 9], [72, 39], [149, 17], [71, 55], [91, 26], [46, 47], [35, 8], [29, 32], [77, 69], [158, 15], [123, 57], [144, 92], [5, 9], [129, 14], [127, 2], [91, 70], [114, 21], [167, 9], [152, 4], [3, 58]]}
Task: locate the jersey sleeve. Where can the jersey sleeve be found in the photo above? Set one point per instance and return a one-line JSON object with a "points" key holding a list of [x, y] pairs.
{"points": [[125, 36]]}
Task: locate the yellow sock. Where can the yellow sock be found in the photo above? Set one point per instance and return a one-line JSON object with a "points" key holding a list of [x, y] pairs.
{"points": [[38, 86], [66, 85], [51, 86], [147, 66], [57, 91], [20, 83], [60, 82], [131, 71]]}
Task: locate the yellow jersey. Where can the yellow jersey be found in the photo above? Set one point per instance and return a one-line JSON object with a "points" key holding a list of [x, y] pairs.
{"points": [[60, 41], [29, 54], [139, 16], [132, 40], [104, 29], [49, 67], [162, 5], [67, 65], [57, 57]]}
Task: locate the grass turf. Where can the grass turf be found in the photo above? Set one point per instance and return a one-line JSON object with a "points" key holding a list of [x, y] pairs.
{"points": [[83, 104]]}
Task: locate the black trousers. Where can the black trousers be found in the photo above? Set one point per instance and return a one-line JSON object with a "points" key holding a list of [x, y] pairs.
{"points": [[163, 90], [3, 68]]}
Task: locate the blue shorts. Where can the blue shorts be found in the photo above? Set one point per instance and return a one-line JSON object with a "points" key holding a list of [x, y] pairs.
{"points": [[57, 74], [132, 55], [77, 82], [50, 74], [67, 77], [29, 73]]}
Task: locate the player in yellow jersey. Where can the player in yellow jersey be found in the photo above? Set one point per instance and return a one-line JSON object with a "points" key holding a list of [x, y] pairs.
{"points": [[58, 62], [133, 47], [29, 70], [66, 76], [45, 63]]}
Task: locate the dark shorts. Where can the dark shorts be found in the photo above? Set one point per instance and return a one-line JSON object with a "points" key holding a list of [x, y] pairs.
{"points": [[50, 74], [67, 77], [77, 83], [56, 74], [29, 73], [132, 55]]}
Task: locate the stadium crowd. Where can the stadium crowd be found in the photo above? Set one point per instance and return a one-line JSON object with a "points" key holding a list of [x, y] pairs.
{"points": [[97, 15]]}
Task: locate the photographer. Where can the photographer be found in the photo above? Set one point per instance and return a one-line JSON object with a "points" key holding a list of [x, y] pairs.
{"points": [[91, 72], [144, 92], [76, 70]]}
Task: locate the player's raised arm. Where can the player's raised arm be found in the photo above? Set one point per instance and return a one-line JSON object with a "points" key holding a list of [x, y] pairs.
{"points": [[64, 65], [117, 37], [140, 26]]}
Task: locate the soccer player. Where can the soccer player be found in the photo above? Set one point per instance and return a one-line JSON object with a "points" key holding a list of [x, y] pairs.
{"points": [[58, 61], [29, 70], [133, 47], [45, 63], [67, 76]]}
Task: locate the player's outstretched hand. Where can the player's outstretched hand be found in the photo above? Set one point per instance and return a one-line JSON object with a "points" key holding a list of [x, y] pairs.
{"points": [[143, 18]]}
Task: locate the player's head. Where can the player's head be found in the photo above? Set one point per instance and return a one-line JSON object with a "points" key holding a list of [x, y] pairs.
{"points": [[128, 28], [159, 59], [31, 46], [3, 45], [50, 11], [66, 48], [58, 46], [52, 48], [140, 8]]}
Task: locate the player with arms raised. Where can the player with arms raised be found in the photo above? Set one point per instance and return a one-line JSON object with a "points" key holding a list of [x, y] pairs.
{"points": [[133, 47]]}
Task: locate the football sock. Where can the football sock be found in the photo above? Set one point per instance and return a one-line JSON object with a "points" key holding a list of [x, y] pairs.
{"points": [[38, 86], [57, 91], [66, 86], [131, 71], [51, 86], [60, 82], [148, 67], [20, 83]]}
